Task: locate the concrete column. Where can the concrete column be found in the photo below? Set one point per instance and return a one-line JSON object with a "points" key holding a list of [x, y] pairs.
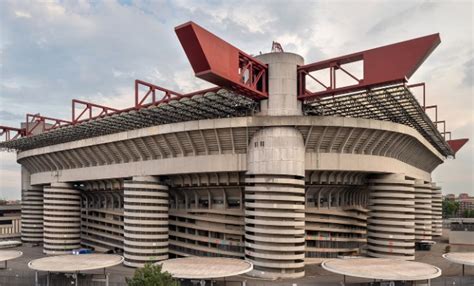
{"points": [[62, 218], [32, 215], [437, 211], [145, 221], [31, 210], [391, 222], [275, 203], [282, 84], [422, 210]]}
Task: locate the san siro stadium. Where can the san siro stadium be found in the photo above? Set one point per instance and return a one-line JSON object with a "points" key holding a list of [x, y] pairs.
{"points": [[281, 164]]}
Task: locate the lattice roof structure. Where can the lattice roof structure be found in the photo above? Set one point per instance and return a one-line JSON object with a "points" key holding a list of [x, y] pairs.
{"points": [[395, 103], [220, 104]]}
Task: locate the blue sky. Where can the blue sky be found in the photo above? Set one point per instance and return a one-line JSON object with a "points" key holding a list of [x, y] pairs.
{"points": [[54, 51]]}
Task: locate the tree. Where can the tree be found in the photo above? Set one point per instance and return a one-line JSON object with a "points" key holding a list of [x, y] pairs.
{"points": [[151, 275], [450, 208], [468, 213]]}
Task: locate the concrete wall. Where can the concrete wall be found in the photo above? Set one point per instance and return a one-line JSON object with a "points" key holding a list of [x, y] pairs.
{"points": [[282, 84], [461, 237], [10, 221]]}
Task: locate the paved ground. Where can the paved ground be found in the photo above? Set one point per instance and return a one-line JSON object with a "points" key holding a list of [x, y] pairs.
{"points": [[18, 272]]}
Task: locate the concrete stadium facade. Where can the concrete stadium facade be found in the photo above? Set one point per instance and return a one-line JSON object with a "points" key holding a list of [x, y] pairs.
{"points": [[277, 187]]}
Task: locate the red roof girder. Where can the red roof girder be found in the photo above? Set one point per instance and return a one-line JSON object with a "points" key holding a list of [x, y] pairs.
{"points": [[222, 64], [384, 65]]}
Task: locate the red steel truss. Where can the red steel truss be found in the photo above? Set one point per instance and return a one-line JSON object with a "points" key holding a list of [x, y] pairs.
{"points": [[422, 85], [222, 64], [83, 111], [457, 144], [88, 110], [151, 94], [43, 123], [381, 66], [11, 133]]}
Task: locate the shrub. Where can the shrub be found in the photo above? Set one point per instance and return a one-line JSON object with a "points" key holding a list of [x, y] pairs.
{"points": [[447, 249], [151, 275]]}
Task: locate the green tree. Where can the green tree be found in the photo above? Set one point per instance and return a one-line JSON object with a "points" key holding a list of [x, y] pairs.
{"points": [[450, 208], [468, 213], [151, 275]]}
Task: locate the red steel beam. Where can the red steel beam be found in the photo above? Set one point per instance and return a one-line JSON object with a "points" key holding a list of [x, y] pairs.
{"points": [[34, 121], [435, 107], [444, 127], [423, 86], [384, 65], [448, 133], [222, 64], [7, 131], [203, 91], [457, 144], [88, 109], [167, 94]]}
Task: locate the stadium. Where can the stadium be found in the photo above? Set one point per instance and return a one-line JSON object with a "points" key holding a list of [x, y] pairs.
{"points": [[282, 163]]}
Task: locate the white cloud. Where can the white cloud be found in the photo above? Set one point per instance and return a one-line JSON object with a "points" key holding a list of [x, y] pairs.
{"points": [[186, 82], [21, 14], [54, 8]]}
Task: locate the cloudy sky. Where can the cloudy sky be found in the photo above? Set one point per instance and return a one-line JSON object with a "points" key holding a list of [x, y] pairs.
{"points": [[54, 51]]}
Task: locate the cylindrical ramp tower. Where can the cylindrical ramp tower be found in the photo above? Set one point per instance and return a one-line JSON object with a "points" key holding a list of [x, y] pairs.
{"points": [[274, 192], [423, 213], [62, 218], [437, 211], [282, 84], [145, 221], [274, 203], [31, 210], [32, 215], [391, 222]]}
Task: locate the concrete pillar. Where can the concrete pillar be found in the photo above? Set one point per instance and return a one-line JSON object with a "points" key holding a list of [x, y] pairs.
{"points": [[62, 218], [275, 203], [391, 222], [32, 215], [422, 210], [31, 210], [145, 221], [282, 84], [437, 211]]}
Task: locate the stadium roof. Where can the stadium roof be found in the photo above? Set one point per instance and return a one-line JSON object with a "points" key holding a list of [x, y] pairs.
{"points": [[393, 103], [220, 104]]}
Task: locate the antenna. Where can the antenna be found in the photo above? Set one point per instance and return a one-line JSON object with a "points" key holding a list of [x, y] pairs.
{"points": [[276, 47]]}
